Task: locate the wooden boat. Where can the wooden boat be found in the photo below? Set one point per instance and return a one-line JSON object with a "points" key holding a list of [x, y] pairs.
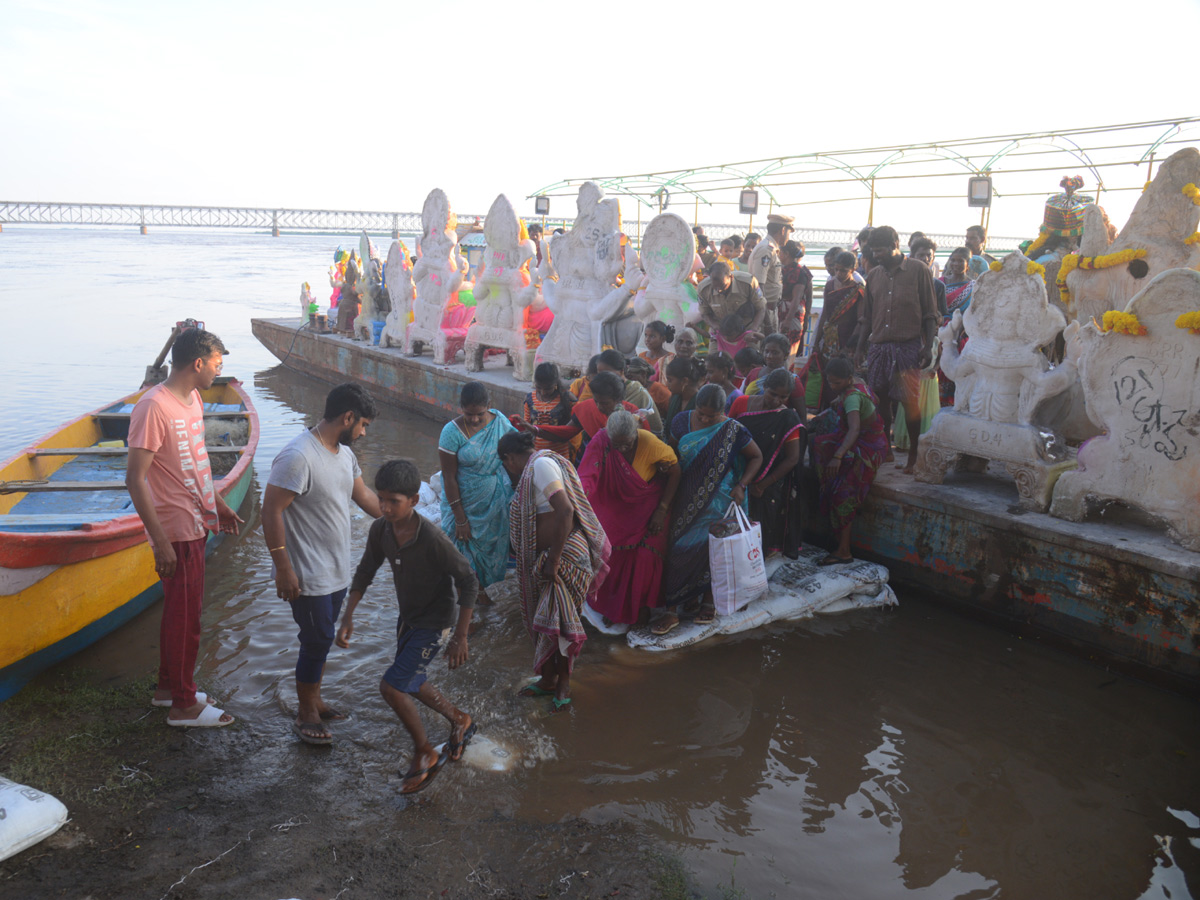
{"points": [[75, 563]]}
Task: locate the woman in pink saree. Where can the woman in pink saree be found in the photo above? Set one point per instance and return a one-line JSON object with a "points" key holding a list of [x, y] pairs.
{"points": [[630, 478]]}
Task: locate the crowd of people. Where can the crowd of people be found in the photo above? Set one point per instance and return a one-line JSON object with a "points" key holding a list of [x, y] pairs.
{"points": [[600, 492]]}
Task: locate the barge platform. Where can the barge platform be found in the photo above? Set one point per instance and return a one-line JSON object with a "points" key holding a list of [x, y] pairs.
{"points": [[1118, 592]]}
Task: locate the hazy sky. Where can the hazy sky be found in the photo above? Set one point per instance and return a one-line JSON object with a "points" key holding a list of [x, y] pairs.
{"points": [[368, 105]]}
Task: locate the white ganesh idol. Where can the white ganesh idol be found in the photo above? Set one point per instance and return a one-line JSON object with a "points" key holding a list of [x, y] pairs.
{"points": [[501, 293], [1001, 378], [437, 277], [668, 249], [580, 267], [398, 282]]}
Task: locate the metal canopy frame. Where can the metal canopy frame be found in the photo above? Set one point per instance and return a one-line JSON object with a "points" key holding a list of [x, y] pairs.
{"points": [[1111, 155]]}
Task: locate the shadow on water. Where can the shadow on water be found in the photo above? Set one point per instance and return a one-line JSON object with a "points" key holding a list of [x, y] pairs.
{"points": [[876, 754]]}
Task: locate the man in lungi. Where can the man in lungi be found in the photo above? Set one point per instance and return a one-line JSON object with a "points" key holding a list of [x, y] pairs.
{"points": [[897, 327]]}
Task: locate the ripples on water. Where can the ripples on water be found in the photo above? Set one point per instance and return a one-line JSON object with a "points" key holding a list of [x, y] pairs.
{"points": [[876, 754]]}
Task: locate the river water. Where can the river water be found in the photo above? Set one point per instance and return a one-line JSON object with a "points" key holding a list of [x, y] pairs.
{"points": [[898, 753]]}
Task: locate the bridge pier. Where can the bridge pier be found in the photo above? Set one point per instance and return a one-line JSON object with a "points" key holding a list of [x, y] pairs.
{"points": [[143, 229], [274, 231]]}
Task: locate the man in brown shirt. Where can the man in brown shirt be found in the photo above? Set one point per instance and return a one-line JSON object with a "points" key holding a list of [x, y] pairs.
{"points": [[898, 322], [732, 304]]}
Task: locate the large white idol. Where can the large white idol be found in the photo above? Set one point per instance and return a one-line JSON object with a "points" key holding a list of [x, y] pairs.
{"points": [[1000, 379], [668, 250], [1143, 390], [580, 267], [437, 277], [399, 285]]}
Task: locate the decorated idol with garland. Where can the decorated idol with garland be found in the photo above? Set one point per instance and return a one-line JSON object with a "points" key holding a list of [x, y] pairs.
{"points": [[1107, 272]]}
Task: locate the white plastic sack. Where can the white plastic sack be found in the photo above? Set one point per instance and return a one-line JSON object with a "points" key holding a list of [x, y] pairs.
{"points": [[736, 563], [797, 589], [26, 817]]}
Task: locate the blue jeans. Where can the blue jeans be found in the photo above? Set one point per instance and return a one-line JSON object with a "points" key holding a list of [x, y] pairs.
{"points": [[317, 617], [416, 648]]}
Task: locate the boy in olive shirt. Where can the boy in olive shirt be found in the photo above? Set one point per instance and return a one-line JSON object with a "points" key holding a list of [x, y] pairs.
{"points": [[426, 569]]}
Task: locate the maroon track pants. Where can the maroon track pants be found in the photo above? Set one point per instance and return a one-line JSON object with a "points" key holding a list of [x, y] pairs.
{"points": [[179, 634]]}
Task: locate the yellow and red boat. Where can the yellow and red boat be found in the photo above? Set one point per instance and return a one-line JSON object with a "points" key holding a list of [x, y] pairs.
{"points": [[75, 563]]}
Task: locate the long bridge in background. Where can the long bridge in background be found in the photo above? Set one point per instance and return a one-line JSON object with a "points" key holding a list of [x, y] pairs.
{"points": [[147, 216], [336, 221]]}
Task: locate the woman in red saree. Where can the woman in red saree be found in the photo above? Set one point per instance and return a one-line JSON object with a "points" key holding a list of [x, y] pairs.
{"points": [[630, 477]]}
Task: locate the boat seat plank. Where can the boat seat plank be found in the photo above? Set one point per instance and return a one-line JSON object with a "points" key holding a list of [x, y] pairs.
{"points": [[122, 416], [37, 487], [111, 451], [60, 520]]}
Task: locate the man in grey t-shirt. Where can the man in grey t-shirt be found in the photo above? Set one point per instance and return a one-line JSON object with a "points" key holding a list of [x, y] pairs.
{"points": [[306, 522]]}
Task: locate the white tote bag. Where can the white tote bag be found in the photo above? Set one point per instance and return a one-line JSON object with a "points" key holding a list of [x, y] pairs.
{"points": [[736, 562]]}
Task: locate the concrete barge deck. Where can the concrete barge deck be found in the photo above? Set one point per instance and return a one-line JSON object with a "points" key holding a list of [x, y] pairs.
{"points": [[1120, 593]]}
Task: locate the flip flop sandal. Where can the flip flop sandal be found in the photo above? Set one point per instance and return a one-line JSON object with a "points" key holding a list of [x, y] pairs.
{"points": [[210, 717], [561, 704], [426, 775], [832, 560], [533, 690], [705, 616], [334, 715], [665, 626], [201, 697], [308, 735], [456, 749]]}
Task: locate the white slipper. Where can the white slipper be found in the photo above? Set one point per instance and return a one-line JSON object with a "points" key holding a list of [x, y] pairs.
{"points": [[201, 697], [210, 717]]}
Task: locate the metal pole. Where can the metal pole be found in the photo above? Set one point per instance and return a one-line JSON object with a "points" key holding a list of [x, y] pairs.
{"points": [[871, 210], [696, 215]]}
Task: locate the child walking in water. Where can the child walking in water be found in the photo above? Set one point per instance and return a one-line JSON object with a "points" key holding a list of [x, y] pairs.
{"points": [[426, 569]]}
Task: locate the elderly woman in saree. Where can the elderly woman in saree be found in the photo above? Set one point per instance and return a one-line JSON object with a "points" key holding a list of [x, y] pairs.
{"points": [[849, 444], [780, 435], [631, 477], [475, 489], [719, 459], [562, 559], [587, 416]]}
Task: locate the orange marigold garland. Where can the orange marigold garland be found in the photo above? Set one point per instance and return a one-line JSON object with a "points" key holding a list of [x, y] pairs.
{"points": [[1073, 261], [1122, 323], [1031, 269], [1190, 321]]}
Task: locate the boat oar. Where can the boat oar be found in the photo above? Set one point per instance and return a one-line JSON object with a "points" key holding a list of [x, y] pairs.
{"points": [[156, 372]]}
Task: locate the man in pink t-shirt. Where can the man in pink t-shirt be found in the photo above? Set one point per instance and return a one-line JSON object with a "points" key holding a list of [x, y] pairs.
{"points": [[170, 482]]}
